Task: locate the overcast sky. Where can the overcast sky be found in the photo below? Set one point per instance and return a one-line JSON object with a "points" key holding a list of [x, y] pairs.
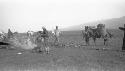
{"points": [[24, 15]]}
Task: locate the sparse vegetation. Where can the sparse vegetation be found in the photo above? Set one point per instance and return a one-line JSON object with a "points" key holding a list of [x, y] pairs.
{"points": [[71, 54]]}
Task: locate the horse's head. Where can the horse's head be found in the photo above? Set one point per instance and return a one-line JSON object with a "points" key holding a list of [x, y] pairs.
{"points": [[56, 27], [86, 28]]}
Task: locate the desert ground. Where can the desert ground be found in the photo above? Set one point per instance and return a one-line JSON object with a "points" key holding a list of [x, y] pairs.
{"points": [[71, 54]]}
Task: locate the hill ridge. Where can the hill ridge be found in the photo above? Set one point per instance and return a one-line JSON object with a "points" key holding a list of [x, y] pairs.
{"points": [[113, 23]]}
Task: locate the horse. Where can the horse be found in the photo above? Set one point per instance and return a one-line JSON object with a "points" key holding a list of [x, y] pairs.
{"points": [[99, 32], [86, 35], [89, 32]]}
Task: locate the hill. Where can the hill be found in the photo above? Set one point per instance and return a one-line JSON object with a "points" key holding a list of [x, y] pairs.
{"points": [[113, 23]]}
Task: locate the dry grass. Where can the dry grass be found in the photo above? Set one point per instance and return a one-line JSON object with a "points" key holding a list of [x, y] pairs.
{"points": [[73, 56]]}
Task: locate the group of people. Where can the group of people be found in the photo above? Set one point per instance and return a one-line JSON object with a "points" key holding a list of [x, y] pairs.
{"points": [[87, 33], [43, 36], [4, 36]]}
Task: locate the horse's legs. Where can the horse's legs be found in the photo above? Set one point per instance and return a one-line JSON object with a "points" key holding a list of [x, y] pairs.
{"points": [[45, 41], [46, 45], [87, 41], [105, 41], [57, 39], [94, 39]]}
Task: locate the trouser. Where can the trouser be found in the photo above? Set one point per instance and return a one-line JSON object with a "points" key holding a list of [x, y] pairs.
{"points": [[123, 46], [56, 39]]}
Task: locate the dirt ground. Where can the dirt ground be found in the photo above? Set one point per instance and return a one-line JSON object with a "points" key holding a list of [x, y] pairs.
{"points": [[71, 55]]}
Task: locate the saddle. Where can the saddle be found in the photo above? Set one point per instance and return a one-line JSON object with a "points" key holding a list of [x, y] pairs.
{"points": [[43, 34], [97, 34]]}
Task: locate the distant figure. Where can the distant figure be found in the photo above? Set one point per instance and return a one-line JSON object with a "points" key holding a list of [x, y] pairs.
{"points": [[2, 36], [123, 29], [10, 34], [56, 34], [30, 33]]}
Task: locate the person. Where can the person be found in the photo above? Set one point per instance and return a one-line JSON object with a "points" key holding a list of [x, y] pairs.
{"points": [[2, 36], [45, 36], [56, 34], [10, 34], [123, 29]]}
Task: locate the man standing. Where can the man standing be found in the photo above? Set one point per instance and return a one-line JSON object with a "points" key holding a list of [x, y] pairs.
{"points": [[123, 28], [10, 34], [56, 34]]}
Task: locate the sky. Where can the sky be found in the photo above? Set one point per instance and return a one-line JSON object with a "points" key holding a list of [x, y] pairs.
{"points": [[24, 15]]}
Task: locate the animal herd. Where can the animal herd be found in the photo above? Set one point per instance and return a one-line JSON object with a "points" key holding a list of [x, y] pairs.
{"points": [[42, 36]]}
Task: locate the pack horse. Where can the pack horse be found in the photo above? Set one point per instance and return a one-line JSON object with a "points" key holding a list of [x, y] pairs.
{"points": [[94, 33]]}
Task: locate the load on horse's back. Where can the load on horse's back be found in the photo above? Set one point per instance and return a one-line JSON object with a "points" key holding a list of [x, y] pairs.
{"points": [[101, 29]]}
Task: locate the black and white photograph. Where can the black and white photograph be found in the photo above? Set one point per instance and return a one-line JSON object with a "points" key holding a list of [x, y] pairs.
{"points": [[62, 35]]}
